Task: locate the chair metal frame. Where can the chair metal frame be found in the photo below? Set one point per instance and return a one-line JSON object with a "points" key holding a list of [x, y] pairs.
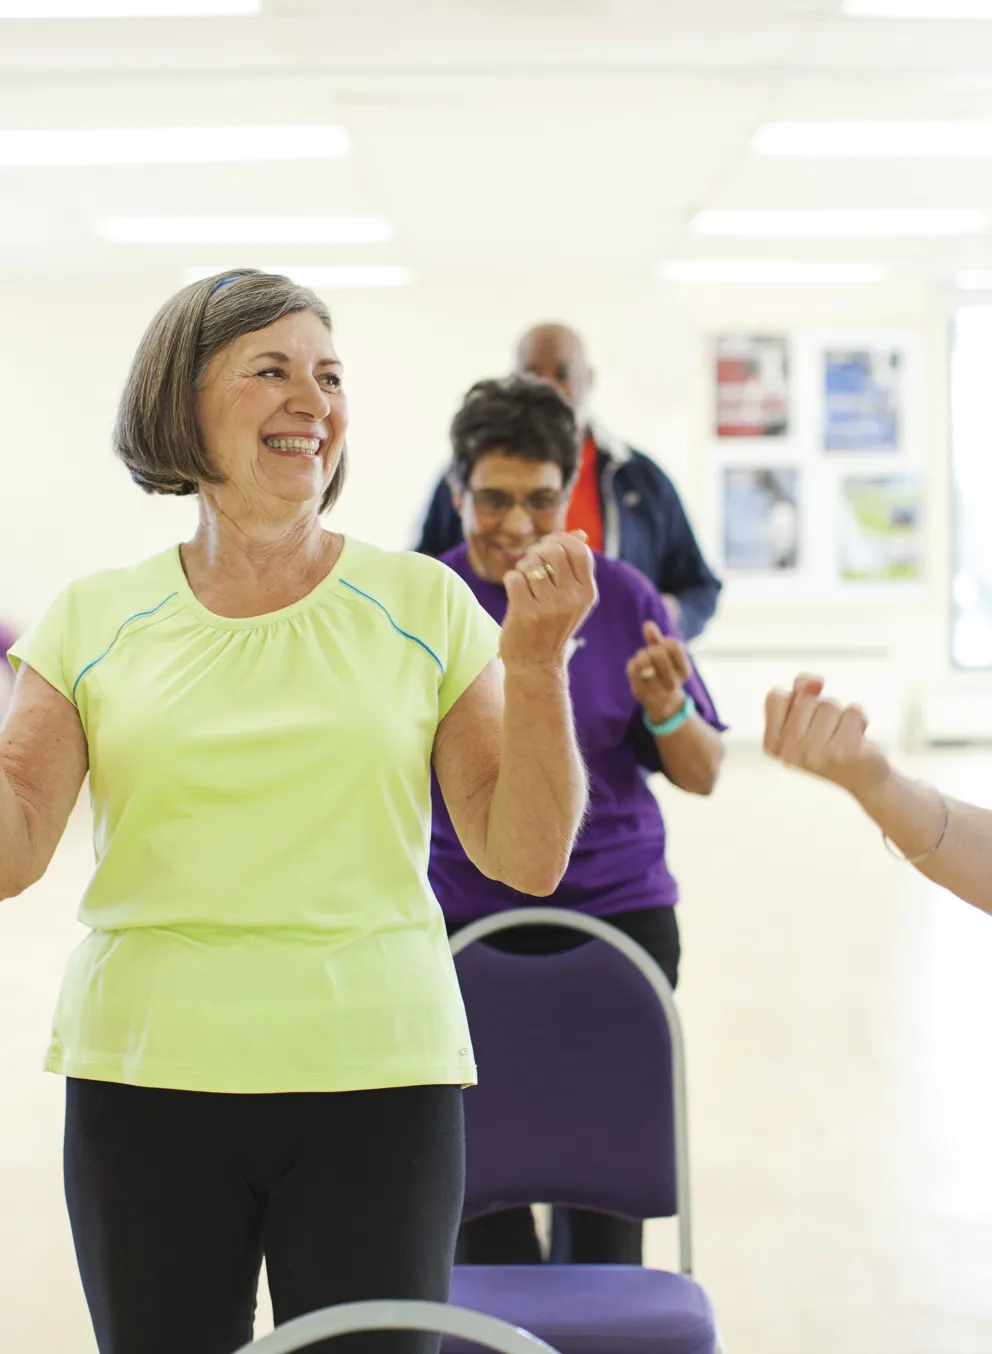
{"points": [[652, 973], [350, 1318], [354, 1317]]}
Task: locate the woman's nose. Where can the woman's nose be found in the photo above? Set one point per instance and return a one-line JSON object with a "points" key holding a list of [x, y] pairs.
{"points": [[517, 521], [309, 397]]}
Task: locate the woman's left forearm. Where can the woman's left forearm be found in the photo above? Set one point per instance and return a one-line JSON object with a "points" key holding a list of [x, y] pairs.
{"points": [[540, 795], [691, 756]]}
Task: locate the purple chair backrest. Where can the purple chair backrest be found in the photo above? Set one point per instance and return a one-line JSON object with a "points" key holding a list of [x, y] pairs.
{"points": [[575, 1100]]}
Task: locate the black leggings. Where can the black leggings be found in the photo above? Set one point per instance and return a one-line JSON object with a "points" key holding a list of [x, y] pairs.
{"points": [[579, 1236], [175, 1196]]}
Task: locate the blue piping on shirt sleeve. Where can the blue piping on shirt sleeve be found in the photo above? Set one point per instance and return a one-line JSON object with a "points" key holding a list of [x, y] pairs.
{"points": [[406, 635], [136, 617]]}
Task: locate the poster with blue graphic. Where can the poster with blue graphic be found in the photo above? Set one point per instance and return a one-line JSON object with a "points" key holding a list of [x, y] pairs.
{"points": [[761, 524], [863, 389]]}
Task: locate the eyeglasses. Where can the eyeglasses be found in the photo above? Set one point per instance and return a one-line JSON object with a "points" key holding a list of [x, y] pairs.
{"points": [[497, 503]]}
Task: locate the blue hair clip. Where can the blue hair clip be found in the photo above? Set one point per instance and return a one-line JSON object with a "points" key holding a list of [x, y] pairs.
{"points": [[225, 281]]}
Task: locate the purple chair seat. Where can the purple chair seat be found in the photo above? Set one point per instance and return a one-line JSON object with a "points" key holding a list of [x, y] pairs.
{"points": [[590, 1309]]}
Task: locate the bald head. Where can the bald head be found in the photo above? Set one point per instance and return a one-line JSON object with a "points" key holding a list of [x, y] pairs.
{"points": [[555, 353]]}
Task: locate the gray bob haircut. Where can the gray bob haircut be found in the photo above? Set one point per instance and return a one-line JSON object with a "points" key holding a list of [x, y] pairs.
{"points": [[156, 434]]}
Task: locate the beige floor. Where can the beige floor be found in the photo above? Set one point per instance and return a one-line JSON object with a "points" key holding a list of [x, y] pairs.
{"points": [[839, 1021]]}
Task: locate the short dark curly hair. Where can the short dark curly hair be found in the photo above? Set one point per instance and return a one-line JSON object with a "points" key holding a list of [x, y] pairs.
{"points": [[518, 416], [157, 435]]}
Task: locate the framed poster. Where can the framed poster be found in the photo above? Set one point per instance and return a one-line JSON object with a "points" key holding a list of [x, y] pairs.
{"points": [[761, 521], [752, 385], [880, 533], [862, 399]]}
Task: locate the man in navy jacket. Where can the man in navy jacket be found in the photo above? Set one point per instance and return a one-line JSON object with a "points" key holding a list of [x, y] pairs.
{"points": [[623, 500]]}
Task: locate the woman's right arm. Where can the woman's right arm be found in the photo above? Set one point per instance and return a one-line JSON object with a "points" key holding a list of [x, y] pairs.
{"points": [[506, 754], [43, 763], [804, 730]]}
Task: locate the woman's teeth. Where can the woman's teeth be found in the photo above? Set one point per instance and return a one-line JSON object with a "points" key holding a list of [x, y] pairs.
{"points": [[308, 445]]}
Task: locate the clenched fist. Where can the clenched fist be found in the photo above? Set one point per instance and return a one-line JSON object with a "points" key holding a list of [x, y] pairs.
{"points": [[805, 730], [657, 674], [549, 594]]}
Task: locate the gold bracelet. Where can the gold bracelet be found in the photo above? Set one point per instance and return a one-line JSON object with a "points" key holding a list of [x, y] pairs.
{"points": [[894, 850]]}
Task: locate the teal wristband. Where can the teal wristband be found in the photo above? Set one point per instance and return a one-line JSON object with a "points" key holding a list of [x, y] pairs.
{"points": [[677, 720]]}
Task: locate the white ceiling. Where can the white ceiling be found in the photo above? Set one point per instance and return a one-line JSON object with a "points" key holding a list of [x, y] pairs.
{"points": [[498, 136]]}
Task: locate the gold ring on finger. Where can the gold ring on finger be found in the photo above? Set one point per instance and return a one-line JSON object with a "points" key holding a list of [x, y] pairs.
{"points": [[647, 674], [538, 575]]}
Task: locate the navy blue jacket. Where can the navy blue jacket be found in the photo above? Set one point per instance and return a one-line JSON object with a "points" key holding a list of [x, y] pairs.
{"points": [[644, 523]]}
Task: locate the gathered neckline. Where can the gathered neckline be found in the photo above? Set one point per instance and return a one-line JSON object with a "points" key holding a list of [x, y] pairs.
{"points": [[193, 603]]}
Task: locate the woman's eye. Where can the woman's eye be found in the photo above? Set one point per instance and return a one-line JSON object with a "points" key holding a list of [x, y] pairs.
{"points": [[329, 379]]}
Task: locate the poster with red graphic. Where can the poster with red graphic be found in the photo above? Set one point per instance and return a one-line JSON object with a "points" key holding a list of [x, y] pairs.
{"points": [[752, 385]]}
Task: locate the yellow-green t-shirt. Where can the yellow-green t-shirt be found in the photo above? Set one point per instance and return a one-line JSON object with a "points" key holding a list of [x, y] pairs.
{"points": [[260, 913]]}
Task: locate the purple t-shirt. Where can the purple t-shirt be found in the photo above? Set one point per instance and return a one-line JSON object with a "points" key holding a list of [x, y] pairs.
{"points": [[619, 859]]}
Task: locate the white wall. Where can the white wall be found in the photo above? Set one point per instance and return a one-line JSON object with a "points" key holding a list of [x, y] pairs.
{"points": [[67, 507]]}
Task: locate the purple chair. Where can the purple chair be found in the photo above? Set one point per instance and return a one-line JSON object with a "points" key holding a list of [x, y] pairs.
{"points": [[581, 1102]]}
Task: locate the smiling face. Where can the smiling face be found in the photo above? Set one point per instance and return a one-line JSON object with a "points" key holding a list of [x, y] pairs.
{"points": [[273, 415], [508, 505]]}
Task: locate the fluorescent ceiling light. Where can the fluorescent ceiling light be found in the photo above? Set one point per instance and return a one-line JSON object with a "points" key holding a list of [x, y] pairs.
{"points": [[850, 224], [919, 9], [246, 229], [974, 279], [785, 272], [126, 9], [864, 140], [169, 145], [333, 276]]}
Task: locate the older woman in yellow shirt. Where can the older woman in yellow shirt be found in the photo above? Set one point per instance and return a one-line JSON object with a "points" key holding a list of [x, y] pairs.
{"points": [[262, 1034]]}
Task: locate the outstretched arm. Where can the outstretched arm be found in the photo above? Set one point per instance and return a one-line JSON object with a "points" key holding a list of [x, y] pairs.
{"points": [[948, 841]]}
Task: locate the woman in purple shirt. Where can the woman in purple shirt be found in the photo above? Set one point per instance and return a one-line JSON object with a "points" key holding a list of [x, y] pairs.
{"points": [[639, 707]]}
